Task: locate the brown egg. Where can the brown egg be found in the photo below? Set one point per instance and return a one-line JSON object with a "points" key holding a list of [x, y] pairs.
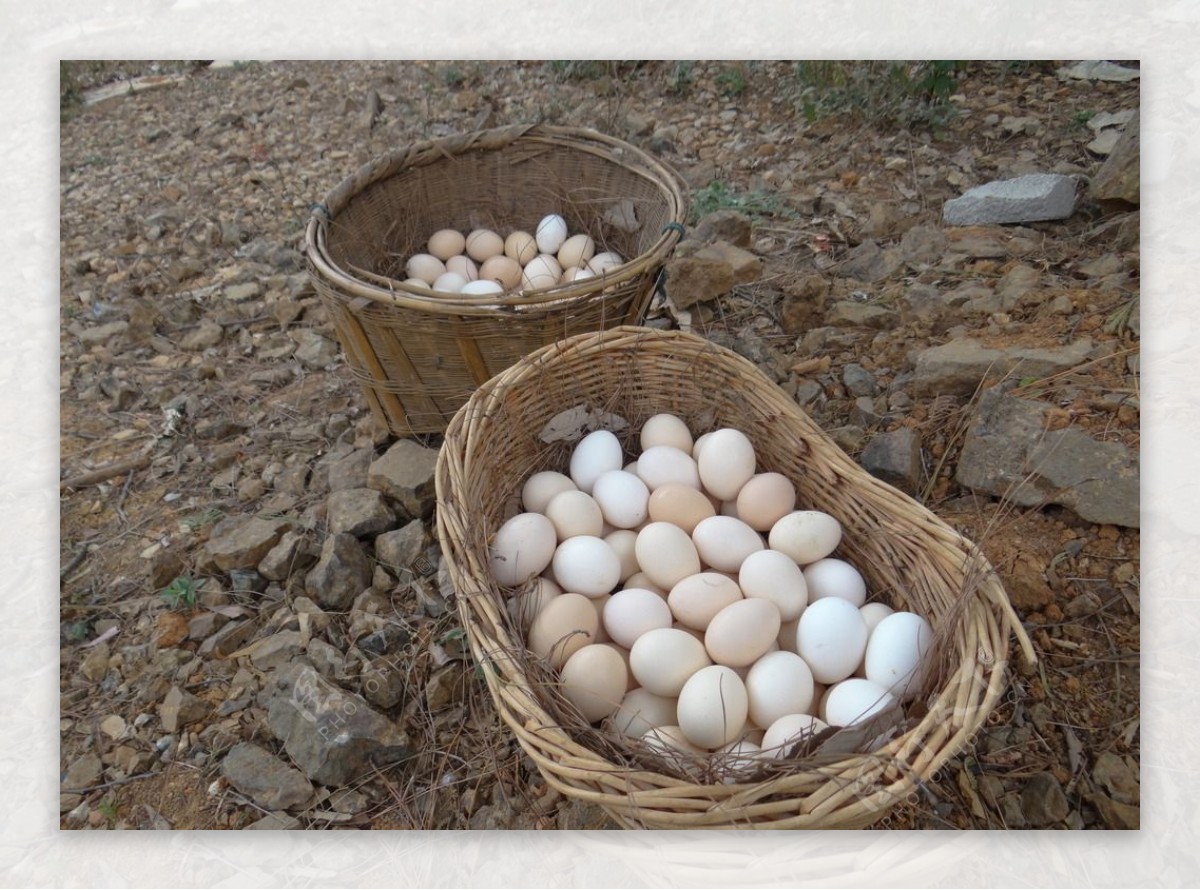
{"points": [[503, 269], [483, 244], [765, 499], [521, 247], [446, 243], [680, 505], [564, 626]]}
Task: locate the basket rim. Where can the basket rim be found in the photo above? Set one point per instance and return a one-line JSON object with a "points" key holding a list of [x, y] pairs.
{"points": [[521, 710], [425, 152]]}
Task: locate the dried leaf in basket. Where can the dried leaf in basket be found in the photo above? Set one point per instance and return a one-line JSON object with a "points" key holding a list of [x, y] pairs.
{"points": [[572, 424]]}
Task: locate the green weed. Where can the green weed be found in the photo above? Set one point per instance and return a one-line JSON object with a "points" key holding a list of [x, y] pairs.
{"points": [[717, 195], [897, 93], [181, 592]]}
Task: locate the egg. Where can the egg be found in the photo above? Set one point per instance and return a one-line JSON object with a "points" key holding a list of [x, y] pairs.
{"points": [[446, 243], [574, 513], [897, 654], [483, 244], [664, 465], [873, 613], [854, 701], [417, 283], [605, 262], [585, 564], [631, 612], [539, 488], [520, 246], [551, 233], [724, 542], [787, 731], [806, 535], [738, 761], [595, 454], [576, 273], [566, 624], [642, 580], [522, 548], [774, 576], [696, 599], [835, 577], [670, 742], [425, 267], [712, 707], [663, 659], [726, 463], [699, 444], [503, 270], [623, 541], [449, 283], [598, 603], [641, 711], [786, 638], [832, 637], [666, 429], [623, 498], [741, 632], [679, 504], [765, 499], [576, 251], [593, 680], [541, 272], [666, 554], [481, 287], [526, 605], [778, 683], [461, 265]]}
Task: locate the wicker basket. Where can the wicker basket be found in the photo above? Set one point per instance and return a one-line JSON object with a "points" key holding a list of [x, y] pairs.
{"points": [[908, 556], [418, 357]]}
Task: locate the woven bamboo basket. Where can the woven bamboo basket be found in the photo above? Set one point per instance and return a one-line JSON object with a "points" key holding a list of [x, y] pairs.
{"points": [[908, 556], [416, 356]]}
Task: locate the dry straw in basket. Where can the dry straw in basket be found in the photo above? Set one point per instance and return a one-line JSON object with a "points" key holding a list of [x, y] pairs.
{"points": [[917, 561], [418, 356]]}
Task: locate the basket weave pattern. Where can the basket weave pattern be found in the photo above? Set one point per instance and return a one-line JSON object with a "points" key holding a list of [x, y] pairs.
{"points": [[417, 356], [922, 564]]}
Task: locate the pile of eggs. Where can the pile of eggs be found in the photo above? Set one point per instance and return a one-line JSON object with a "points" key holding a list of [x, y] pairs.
{"points": [[485, 262], [684, 600]]}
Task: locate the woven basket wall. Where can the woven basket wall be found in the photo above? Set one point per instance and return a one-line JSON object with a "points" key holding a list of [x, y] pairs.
{"points": [[417, 356], [908, 556]]}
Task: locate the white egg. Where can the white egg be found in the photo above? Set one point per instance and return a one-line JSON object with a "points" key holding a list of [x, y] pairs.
{"points": [[897, 653], [597, 453], [778, 683], [623, 498], [666, 429], [726, 463], [738, 761], [541, 272], [463, 266], [832, 637], [623, 541], [666, 554], [641, 711], [449, 283], [789, 729], [631, 612], [550, 233], [481, 287], [775, 576], [605, 262], [665, 465], [417, 283], [663, 659], [835, 577], [585, 564], [854, 701], [806, 535], [712, 707], [724, 543], [873, 613], [522, 548], [525, 606]]}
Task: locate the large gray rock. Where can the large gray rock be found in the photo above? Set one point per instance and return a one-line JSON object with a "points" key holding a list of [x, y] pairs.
{"points": [[240, 542], [180, 708], [697, 279], [1036, 196], [350, 471], [1119, 178], [398, 550], [870, 262], [264, 778], [360, 512], [1042, 801], [341, 574], [895, 458], [405, 473], [958, 367], [334, 736], [1008, 452], [295, 552]]}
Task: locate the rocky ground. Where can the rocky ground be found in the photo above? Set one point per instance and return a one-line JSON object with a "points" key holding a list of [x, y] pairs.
{"points": [[244, 551]]}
